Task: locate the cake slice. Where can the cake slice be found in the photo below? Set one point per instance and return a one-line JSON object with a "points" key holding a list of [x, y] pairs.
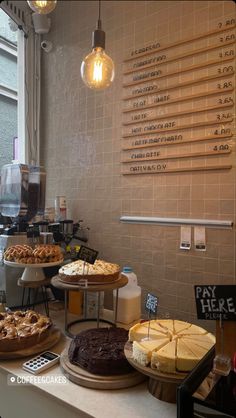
{"points": [[142, 351], [140, 331], [204, 341], [180, 326], [193, 330], [167, 324], [185, 358], [197, 350], [164, 360]]}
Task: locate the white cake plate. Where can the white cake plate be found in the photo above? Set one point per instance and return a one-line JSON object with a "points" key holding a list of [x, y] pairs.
{"points": [[33, 272]]}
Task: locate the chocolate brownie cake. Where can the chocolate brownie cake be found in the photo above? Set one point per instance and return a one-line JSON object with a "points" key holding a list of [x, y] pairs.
{"points": [[100, 351]]}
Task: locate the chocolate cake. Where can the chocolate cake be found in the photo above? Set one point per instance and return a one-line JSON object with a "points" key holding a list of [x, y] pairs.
{"points": [[100, 351]]}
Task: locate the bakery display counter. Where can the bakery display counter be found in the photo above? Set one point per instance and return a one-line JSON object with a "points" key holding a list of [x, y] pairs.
{"points": [[66, 399]]}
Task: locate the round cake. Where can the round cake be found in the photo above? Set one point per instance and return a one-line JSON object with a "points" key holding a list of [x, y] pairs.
{"points": [[173, 346], [22, 329], [100, 351], [100, 271]]}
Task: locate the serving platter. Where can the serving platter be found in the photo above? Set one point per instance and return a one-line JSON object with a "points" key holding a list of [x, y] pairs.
{"points": [[33, 272], [49, 342], [38, 265], [83, 378]]}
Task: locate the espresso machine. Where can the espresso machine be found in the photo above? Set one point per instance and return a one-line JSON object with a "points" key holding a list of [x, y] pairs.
{"points": [[22, 197]]}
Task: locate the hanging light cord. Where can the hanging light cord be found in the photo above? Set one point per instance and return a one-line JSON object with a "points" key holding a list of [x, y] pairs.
{"points": [[99, 24]]}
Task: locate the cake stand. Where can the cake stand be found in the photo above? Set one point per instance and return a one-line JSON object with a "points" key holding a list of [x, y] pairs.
{"points": [[32, 272], [116, 285], [161, 385]]}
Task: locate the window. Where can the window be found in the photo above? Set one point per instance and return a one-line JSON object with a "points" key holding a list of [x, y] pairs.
{"points": [[21, 97], [8, 89]]}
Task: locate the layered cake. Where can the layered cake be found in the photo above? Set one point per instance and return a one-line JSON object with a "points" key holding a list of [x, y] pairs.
{"points": [[100, 351], [100, 271], [173, 346], [20, 329]]}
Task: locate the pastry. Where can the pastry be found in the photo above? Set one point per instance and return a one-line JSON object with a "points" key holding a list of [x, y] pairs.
{"points": [[100, 271], [173, 346], [24, 254], [20, 330]]}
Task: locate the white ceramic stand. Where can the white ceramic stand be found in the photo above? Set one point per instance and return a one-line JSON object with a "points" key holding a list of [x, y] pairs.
{"points": [[32, 272]]}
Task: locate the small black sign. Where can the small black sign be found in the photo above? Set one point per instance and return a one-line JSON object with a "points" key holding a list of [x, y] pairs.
{"points": [[216, 301], [87, 254], [151, 303]]}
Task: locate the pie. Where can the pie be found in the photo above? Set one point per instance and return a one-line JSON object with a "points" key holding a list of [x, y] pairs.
{"points": [[171, 346], [100, 271], [24, 254], [22, 329]]}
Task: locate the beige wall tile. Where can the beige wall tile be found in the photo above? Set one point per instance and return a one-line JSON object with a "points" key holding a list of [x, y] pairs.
{"points": [[81, 134]]}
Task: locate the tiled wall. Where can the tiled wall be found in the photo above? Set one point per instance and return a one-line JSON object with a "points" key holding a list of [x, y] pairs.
{"points": [[81, 149]]}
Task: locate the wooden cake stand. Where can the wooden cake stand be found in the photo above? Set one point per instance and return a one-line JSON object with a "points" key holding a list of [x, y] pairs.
{"points": [[49, 342], [161, 385], [83, 378]]}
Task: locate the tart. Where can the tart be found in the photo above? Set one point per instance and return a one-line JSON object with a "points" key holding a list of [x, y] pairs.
{"points": [[20, 330], [100, 271]]}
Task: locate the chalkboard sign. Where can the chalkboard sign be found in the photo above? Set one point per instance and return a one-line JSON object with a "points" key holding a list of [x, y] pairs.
{"points": [[215, 301], [87, 254], [151, 303]]}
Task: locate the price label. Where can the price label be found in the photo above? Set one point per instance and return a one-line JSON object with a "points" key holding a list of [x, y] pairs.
{"points": [[87, 254], [151, 303]]}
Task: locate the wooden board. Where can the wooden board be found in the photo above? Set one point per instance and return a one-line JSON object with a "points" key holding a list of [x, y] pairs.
{"points": [[83, 378], [154, 374], [49, 342]]}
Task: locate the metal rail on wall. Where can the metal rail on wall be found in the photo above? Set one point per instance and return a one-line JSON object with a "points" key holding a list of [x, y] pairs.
{"points": [[149, 220]]}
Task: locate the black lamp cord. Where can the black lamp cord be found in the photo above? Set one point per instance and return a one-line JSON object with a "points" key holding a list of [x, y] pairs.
{"points": [[99, 24]]}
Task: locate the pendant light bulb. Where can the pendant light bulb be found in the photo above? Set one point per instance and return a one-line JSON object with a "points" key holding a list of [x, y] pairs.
{"points": [[42, 6], [97, 68]]}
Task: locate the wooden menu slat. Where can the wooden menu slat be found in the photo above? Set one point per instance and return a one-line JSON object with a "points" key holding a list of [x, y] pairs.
{"points": [[182, 41], [182, 169], [179, 57], [136, 82], [190, 68], [181, 113], [182, 141], [178, 100], [177, 156], [184, 55], [179, 128]]}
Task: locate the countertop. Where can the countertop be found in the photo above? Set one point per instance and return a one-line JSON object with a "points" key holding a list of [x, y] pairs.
{"points": [[132, 402]]}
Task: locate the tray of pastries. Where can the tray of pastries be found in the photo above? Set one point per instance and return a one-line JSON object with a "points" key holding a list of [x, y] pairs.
{"points": [[25, 332], [40, 254]]}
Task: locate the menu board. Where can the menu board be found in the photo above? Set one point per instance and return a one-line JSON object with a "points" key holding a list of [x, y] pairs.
{"points": [[178, 104]]}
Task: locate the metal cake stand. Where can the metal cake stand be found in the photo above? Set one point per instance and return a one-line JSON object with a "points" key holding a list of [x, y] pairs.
{"points": [[98, 288]]}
